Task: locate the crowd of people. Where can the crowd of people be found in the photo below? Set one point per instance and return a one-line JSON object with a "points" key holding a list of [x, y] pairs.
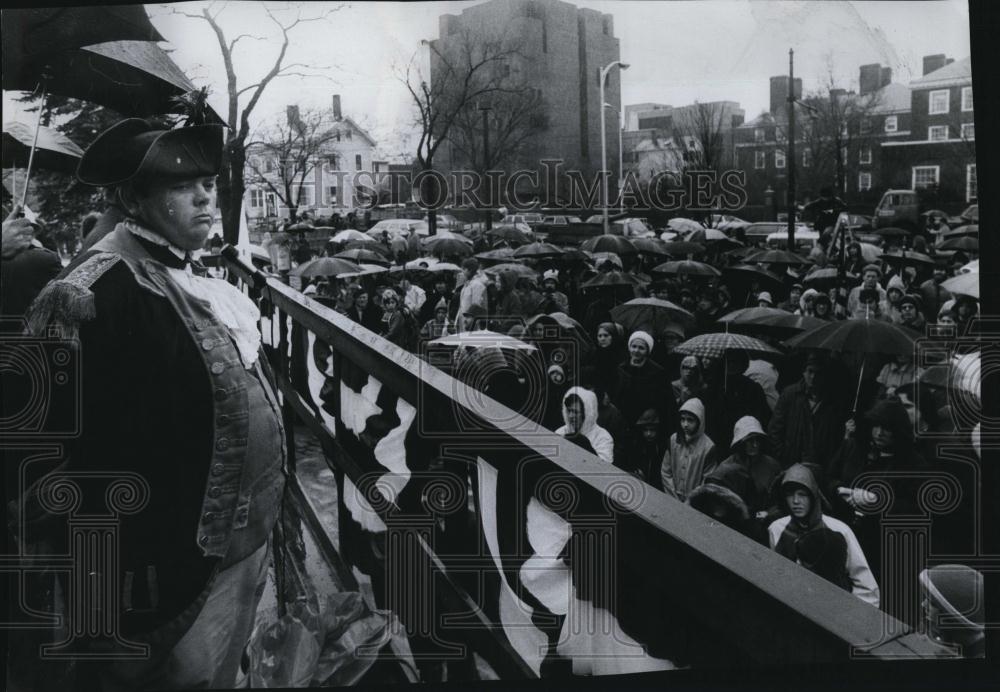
{"points": [[778, 447]]}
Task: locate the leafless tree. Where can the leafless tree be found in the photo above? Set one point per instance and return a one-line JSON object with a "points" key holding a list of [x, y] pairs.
{"points": [[701, 129], [474, 67], [284, 154], [244, 99]]}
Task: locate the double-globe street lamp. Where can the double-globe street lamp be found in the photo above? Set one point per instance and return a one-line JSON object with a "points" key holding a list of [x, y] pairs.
{"points": [[604, 139]]}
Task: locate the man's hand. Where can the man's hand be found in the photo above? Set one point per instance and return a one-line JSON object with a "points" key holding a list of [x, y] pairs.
{"points": [[17, 233], [850, 427]]}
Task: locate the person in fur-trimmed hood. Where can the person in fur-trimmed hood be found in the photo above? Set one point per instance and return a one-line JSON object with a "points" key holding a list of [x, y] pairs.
{"points": [[822, 544], [690, 454]]}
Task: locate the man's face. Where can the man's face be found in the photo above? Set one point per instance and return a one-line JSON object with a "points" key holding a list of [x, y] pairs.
{"points": [[689, 423], [662, 293], [688, 371], [799, 502], [361, 300], [908, 311], [870, 278], [751, 446], [939, 274], [670, 341], [469, 273], [649, 434], [882, 437], [795, 295], [704, 304], [638, 351], [182, 211], [440, 286], [549, 285]]}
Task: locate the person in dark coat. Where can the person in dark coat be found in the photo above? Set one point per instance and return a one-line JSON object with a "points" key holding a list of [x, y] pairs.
{"points": [[181, 437], [432, 300], [750, 473], [731, 395], [365, 312], [24, 275], [609, 354], [643, 384], [645, 457], [808, 420]]}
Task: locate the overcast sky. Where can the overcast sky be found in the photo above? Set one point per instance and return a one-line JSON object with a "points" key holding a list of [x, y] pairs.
{"points": [[679, 51]]}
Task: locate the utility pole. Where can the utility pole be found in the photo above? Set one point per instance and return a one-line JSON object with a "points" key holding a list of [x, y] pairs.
{"points": [[791, 152], [604, 144], [486, 163]]}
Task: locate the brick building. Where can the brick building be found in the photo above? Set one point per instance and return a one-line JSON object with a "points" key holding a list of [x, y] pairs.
{"points": [[938, 155], [916, 136], [562, 51]]}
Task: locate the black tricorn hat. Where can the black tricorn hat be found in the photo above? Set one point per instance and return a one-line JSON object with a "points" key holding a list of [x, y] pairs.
{"points": [[133, 148]]}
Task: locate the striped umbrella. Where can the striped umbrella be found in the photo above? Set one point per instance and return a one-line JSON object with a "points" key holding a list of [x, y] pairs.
{"points": [[716, 344]]}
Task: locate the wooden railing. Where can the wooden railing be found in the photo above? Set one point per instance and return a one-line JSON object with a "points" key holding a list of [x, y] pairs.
{"points": [[684, 586]]}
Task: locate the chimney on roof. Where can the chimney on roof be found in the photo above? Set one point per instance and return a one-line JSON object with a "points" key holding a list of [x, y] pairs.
{"points": [[336, 107], [292, 115], [934, 62], [737, 119], [886, 76], [779, 92], [869, 78]]}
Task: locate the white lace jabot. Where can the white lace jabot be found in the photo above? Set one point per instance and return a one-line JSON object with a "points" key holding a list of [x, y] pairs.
{"points": [[236, 311]]}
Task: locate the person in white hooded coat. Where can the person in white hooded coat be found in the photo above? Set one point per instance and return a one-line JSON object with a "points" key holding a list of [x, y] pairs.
{"points": [[584, 422]]}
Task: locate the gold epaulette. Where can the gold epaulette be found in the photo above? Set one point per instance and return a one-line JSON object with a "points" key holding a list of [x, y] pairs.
{"points": [[66, 302]]}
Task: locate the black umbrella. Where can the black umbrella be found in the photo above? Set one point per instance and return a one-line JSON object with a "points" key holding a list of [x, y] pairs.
{"points": [[500, 254], [510, 233], [965, 244], [782, 257], [610, 243], [54, 151], [971, 230], [902, 258], [746, 272], [362, 255], [650, 246], [774, 321], [31, 36], [538, 250], [611, 279], [893, 232], [683, 248], [686, 268]]}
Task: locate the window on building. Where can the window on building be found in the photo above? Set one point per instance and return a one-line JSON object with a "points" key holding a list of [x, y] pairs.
{"points": [[779, 158], [891, 123], [807, 158], [759, 159], [971, 186], [864, 181], [865, 155], [938, 102], [866, 126], [967, 98], [937, 133], [269, 165], [779, 136], [304, 196], [349, 134], [968, 131], [758, 135], [357, 162], [925, 177], [333, 161], [256, 199]]}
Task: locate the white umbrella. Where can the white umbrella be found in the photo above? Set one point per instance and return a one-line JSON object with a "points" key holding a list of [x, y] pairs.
{"points": [[963, 284], [970, 268], [484, 338], [681, 224], [350, 234]]}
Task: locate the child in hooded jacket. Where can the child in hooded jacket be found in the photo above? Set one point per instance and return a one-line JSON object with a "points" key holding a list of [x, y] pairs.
{"points": [[580, 416], [691, 453]]}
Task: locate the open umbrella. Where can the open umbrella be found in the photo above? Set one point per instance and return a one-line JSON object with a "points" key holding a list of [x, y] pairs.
{"points": [[444, 267], [373, 246], [363, 256], [445, 235], [349, 235], [708, 235], [442, 247], [679, 224], [573, 254], [483, 338], [609, 243], [366, 270], [822, 279], [611, 279], [537, 250], [512, 268], [892, 232], [54, 151], [686, 268], [971, 231], [859, 336], [965, 244], [651, 313], [869, 252], [773, 321], [782, 257], [716, 344], [650, 246], [500, 254], [326, 266], [750, 273], [904, 258], [963, 284], [511, 234], [300, 227], [683, 248]]}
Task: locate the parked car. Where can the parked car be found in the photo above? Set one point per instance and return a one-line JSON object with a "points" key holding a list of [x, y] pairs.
{"points": [[899, 209], [761, 230], [805, 240], [560, 220], [398, 227], [970, 215]]}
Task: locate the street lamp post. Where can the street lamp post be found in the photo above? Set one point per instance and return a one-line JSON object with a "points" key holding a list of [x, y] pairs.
{"points": [[486, 161], [621, 169], [604, 139], [791, 153]]}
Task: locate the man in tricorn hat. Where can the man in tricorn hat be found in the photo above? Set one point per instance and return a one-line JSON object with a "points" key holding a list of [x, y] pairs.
{"points": [[173, 403]]}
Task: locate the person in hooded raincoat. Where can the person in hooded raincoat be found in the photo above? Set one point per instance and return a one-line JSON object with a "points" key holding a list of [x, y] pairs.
{"points": [[580, 417], [822, 544], [749, 472], [690, 454]]}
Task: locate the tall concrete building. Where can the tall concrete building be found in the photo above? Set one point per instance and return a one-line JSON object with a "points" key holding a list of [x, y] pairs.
{"points": [[562, 49]]}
